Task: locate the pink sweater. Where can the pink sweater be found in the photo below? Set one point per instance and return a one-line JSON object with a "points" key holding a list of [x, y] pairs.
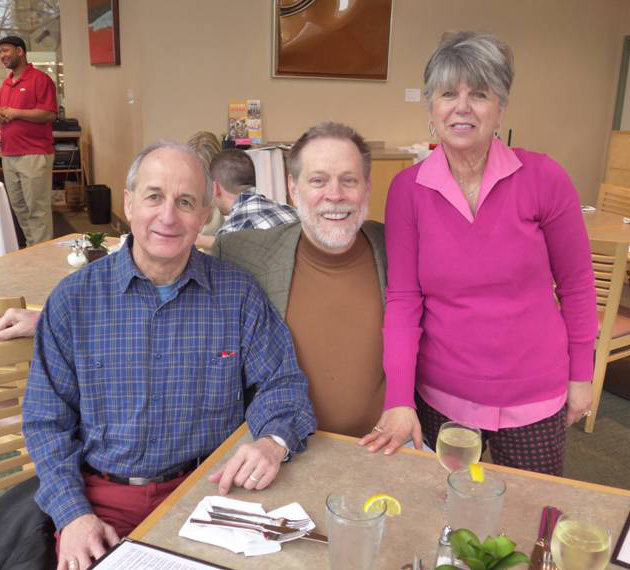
{"points": [[470, 305]]}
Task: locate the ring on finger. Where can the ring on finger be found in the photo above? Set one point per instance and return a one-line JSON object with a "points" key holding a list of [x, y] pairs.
{"points": [[377, 428], [254, 479], [587, 413], [73, 565]]}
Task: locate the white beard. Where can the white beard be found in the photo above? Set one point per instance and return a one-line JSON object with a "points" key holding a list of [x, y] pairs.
{"points": [[341, 237]]}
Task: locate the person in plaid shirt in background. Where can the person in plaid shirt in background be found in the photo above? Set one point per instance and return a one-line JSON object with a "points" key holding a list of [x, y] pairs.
{"points": [[234, 188]]}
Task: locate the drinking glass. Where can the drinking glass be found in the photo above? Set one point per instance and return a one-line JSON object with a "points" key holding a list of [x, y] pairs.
{"points": [[458, 445], [475, 505], [354, 537], [580, 543]]}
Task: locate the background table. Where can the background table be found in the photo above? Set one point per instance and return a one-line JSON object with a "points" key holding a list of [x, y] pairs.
{"points": [[35, 271], [334, 463], [8, 238], [606, 226]]}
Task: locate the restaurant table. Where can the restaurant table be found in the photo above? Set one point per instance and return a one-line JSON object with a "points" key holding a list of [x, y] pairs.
{"points": [[606, 226], [33, 272], [334, 463]]}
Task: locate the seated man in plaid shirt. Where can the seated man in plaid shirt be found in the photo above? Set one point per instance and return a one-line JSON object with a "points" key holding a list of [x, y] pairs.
{"points": [[140, 366], [234, 189]]}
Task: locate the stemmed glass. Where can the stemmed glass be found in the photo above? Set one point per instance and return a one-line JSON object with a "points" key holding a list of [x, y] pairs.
{"points": [[458, 445], [580, 543]]}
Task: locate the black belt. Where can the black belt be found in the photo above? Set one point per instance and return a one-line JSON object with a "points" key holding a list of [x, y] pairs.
{"points": [[183, 470]]}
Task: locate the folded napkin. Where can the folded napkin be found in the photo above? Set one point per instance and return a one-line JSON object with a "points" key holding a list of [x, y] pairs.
{"points": [[237, 540]]}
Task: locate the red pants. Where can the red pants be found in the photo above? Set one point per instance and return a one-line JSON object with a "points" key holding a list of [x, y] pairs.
{"points": [[124, 506]]}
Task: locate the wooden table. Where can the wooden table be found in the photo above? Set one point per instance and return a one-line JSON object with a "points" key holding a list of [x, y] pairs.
{"points": [[607, 227], [334, 463], [35, 271]]}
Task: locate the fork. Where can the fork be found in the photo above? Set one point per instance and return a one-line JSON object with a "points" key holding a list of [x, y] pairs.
{"points": [[547, 561], [266, 533], [279, 521]]}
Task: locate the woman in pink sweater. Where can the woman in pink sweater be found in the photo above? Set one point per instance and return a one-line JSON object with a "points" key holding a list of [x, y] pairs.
{"points": [[477, 235]]}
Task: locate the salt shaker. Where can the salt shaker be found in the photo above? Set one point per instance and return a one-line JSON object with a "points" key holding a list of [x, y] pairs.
{"points": [[444, 550]]}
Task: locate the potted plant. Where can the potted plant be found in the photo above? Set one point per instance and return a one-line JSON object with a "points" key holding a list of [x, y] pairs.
{"points": [[495, 553], [96, 249]]}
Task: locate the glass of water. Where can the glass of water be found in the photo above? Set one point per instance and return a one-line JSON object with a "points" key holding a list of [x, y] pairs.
{"points": [[474, 505], [354, 536]]}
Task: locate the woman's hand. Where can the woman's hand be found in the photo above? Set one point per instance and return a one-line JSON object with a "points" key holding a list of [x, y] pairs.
{"points": [[394, 429], [578, 401]]}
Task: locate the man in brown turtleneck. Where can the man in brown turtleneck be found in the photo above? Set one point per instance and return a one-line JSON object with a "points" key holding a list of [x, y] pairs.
{"points": [[326, 276]]}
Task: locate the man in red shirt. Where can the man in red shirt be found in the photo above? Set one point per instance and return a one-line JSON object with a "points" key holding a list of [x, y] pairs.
{"points": [[28, 106]]}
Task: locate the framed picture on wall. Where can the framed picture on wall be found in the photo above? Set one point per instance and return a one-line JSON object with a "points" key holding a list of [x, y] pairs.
{"points": [[332, 38], [103, 32]]}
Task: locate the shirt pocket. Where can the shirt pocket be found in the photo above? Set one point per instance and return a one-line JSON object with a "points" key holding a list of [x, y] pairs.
{"points": [[222, 388]]}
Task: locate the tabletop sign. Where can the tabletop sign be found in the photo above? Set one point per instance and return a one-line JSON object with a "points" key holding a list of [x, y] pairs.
{"points": [[621, 554], [133, 555]]}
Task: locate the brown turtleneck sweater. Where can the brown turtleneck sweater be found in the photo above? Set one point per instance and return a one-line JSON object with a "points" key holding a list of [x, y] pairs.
{"points": [[335, 310]]}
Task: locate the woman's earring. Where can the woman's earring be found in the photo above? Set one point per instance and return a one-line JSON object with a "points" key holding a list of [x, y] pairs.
{"points": [[432, 131], [496, 132]]}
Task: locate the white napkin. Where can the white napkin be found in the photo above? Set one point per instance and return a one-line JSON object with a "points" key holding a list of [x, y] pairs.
{"points": [[237, 540]]}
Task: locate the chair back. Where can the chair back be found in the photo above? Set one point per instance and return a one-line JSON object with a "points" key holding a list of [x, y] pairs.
{"points": [[614, 199], [15, 463], [609, 265]]}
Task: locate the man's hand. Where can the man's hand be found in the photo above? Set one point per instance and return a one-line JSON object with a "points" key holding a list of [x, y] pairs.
{"points": [[18, 322], [87, 537], [395, 428], [578, 401], [254, 466]]}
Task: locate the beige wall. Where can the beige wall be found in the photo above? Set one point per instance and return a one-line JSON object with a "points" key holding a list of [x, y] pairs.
{"points": [[184, 60]]}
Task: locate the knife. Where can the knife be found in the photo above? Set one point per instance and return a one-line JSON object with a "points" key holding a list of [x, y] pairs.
{"points": [[536, 557]]}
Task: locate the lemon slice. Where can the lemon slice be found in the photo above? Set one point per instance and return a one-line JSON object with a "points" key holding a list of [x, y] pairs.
{"points": [[476, 472], [378, 502]]}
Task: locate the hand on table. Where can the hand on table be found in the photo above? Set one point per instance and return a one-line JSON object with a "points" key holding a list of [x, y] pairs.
{"points": [[18, 322], [253, 466], [395, 428], [578, 401], [87, 537]]}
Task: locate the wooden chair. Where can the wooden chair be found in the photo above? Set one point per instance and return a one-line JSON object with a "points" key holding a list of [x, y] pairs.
{"points": [[614, 199], [15, 463], [613, 341]]}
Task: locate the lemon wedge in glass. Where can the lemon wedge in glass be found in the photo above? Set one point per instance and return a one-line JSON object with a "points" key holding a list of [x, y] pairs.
{"points": [[380, 501], [476, 472]]}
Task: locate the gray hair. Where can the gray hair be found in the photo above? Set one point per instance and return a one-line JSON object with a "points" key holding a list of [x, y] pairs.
{"points": [[329, 130], [132, 174], [481, 60], [234, 170]]}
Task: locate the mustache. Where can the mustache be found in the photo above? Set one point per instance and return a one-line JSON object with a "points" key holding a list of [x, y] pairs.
{"points": [[335, 208]]}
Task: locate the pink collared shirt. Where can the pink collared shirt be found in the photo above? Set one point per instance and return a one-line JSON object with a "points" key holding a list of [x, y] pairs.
{"points": [[471, 320]]}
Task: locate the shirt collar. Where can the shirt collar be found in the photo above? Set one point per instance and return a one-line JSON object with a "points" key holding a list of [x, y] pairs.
{"points": [[243, 197], [435, 173], [25, 73], [125, 269]]}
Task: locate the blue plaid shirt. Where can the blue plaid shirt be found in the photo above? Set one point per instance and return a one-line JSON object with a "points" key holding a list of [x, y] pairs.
{"points": [[255, 211], [137, 387]]}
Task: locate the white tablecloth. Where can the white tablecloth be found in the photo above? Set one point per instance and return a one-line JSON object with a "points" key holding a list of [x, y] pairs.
{"points": [[270, 177], [8, 238]]}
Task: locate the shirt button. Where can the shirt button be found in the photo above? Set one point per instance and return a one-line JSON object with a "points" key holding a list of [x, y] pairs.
{"points": [[155, 397], [153, 440], [158, 356], [97, 364], [213, 361]]}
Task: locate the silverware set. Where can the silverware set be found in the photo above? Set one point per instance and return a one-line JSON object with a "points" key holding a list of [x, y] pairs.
{"points": [[278, 529], [541, 558]]}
